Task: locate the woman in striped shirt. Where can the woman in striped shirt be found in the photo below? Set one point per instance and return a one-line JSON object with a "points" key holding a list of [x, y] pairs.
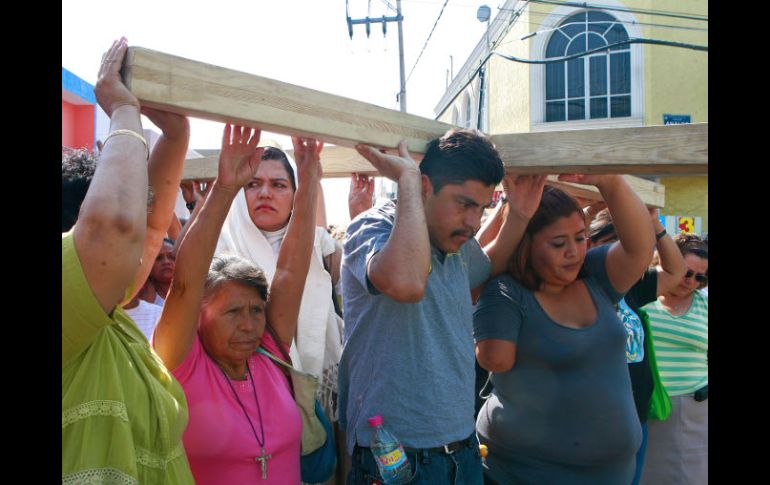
{"points": [[678, 447]]}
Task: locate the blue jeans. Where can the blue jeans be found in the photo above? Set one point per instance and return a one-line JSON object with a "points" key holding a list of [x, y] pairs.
{"points": [[640, 455], [462, 467]]}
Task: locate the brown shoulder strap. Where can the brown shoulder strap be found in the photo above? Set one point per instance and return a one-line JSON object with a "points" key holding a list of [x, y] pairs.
{"points": [[284, 354]]}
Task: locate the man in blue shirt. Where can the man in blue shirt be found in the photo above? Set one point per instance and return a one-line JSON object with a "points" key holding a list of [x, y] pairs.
{"points": [[407, 273]]}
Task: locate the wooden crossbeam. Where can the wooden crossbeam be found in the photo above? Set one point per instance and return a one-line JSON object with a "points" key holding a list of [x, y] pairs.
{"points": [[652, 194], [673, 149], [206, 91], [342, 161]]}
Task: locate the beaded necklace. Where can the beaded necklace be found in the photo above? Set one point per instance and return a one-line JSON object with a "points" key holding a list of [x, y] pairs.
{"points": [[262, 458]]}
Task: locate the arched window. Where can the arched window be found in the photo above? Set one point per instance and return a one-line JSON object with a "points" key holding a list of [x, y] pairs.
{"points": [[593, 86]]}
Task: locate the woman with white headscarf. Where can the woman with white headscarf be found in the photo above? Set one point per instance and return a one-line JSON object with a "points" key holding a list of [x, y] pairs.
{"points": [[254, 229]]}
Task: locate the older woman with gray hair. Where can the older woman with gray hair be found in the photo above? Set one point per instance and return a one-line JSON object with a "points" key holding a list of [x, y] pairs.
{"points": [[244, 424]]}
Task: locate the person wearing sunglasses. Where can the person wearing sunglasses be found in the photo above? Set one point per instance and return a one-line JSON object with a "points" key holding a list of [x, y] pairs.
{"points": [[640, 353], [678, 447]]}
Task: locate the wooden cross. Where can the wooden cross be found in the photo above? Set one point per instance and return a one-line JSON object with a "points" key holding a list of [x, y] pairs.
{"points": [[201, 90], [262, 458]]}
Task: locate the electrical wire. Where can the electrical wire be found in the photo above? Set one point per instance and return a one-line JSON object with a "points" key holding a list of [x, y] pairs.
{"points": [[472, 76], [637, 40], [389, 5], [662, 13], [627, 22], [428, 39], [665, 13], [616, 21]]}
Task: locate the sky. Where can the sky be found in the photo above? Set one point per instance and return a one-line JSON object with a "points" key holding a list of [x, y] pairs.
{"points": [[303, 42]]}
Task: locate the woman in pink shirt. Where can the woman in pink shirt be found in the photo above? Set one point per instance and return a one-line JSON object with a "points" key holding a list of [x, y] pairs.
{"points": [[244, 425]]}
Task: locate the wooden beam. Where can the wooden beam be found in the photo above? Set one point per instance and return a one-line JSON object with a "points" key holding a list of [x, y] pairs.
{"points": [[206, 91], [337, 161], [341, 162], [205, 168], [673, 149], [651, 193]]}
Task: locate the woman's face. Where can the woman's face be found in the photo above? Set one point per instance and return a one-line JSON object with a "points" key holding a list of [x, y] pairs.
{"points": [[269, 196], [163, 267], [696, 268], [231, 323], [558, 250]]}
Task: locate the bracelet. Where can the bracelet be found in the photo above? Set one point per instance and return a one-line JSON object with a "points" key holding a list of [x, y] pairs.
{"points": [[129, 133], [190, 206], [660, 235]]}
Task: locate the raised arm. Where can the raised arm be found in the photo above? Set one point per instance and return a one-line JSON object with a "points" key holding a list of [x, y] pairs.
{"points": [[297, 247], [360, 194], [110, 232], [175, 228], [672, 266], [199, 196], [522, 195], [178, 323], [320, 208], [629, 257], [164, 174], [400, 270]]}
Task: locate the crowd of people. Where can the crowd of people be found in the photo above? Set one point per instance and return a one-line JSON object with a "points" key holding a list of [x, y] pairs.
{"points": [[589, 321]]}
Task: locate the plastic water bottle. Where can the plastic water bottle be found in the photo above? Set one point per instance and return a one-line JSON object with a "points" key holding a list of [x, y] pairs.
{"points": [[389, 454]]}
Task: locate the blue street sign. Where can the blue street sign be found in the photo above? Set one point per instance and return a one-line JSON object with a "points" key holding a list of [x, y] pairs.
{"points": [[676, 119]]}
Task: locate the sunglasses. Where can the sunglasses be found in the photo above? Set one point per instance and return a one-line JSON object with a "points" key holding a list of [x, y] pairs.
{"points": [[699, 277]]}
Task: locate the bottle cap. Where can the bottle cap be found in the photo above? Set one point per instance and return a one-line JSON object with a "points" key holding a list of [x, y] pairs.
{"points": [[483, 451], [375, 421]]}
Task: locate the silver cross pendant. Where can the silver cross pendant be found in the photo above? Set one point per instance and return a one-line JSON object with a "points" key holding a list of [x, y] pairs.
{"points": [[262, 458]]}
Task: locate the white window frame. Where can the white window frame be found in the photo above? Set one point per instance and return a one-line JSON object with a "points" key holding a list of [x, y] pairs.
{"points": [[537, 74]]}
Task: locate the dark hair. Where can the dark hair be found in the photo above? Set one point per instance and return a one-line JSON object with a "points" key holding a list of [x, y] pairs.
{"points": [[273, 153], [689, 244], [462, 155], [77, 171], [601, 225], [554, 205], [692, 244], [233, 268]]}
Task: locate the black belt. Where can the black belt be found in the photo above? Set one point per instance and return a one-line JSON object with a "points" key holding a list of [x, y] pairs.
{"points": [[447, 449], [701, 394]]}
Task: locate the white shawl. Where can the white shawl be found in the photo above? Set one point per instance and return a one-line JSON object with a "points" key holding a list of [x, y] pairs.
{"points": [[319, 329]]}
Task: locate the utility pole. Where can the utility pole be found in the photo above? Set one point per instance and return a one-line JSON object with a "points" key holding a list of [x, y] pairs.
{"points": [[384, 20], [483, 15]]}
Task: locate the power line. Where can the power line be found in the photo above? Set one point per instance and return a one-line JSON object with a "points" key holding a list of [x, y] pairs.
{"points": [[615, 21], [428, 39], [581, 54], [662, 13], [666, 13], [389, 5], [627, 22], [637, 40]]}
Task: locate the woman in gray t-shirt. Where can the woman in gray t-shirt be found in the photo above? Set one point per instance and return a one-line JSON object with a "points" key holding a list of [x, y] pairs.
{"points": [[562, 410]]}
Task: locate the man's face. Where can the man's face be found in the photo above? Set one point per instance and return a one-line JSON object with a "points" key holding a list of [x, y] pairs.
{"points": [[454, 214]]}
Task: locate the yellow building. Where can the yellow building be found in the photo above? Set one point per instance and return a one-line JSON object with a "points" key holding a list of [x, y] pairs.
{"points": [[634, 84]]}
